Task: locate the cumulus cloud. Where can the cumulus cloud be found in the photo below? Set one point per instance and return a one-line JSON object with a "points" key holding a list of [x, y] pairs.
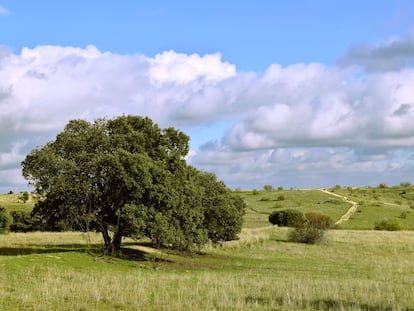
{"points": [[305, 120], [393, 54], [312, 105]]}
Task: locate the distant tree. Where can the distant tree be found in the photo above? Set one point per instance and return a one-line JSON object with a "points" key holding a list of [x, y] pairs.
{"points": [[287, 218], [382, 185], [268, 187], [5, 220], [10, 192], [122, 177], [24, 197]]}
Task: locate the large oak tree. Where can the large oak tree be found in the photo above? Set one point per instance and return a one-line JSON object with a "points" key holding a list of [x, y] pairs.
{"points": [[128, 177]]}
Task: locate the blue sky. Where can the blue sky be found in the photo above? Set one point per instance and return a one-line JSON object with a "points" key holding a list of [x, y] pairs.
{"points": [[288, 93]]}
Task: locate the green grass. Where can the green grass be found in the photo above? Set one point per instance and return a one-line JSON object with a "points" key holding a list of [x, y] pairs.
{"points": [[12, 203], [351, 270], [259, 206], [376, 204]]}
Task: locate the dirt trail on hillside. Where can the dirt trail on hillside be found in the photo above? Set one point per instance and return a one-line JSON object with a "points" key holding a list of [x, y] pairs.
{"points": [[349, 212]]}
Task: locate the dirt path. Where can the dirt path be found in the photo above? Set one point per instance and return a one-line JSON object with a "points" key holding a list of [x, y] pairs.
{"points": [[349, 212]]}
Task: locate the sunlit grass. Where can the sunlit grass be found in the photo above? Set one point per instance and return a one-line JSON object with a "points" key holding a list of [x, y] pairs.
{"points": [[352, 270]]}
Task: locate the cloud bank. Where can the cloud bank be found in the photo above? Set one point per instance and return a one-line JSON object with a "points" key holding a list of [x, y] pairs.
{"points": [[300, 125]]}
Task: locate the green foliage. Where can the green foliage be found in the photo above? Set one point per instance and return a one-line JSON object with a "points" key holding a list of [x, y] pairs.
{"points": [[23, 221], [307, 234], [268, 187], [5, 220], [287, 218], [319, 221], [312, 230], [255, 192], [223, 210], [127, 177], [382, 186], [24, 197], [388, 224]]}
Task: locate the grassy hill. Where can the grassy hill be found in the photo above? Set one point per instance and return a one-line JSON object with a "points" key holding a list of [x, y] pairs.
{"points": [[352, 270], [374, 204], [12, 202]]}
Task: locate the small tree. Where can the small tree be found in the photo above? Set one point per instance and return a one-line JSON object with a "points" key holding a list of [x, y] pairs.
{"points": [[5, 220], [268, 187], [24, 197]]}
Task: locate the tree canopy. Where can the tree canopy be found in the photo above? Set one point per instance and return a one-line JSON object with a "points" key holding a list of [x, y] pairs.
{"points": [[128, 177]]}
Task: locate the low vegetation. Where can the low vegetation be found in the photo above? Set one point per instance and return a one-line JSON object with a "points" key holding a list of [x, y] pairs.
{"points": [[262, 270], [352, 270]]}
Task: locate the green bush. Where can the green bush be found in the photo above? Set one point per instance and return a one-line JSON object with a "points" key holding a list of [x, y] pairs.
{"points": [[312, 230], [388, 224], [319, 220], [287, 218], [255, 192], [268, 187], [23, 221], [5, 220], [308, 234]]}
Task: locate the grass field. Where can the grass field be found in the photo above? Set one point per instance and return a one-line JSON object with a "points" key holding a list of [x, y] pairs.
{"points": [[351, 270]]}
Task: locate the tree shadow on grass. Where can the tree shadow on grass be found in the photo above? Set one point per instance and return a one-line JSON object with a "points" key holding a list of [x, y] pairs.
{"points": [[30, 249], [126, 253]]}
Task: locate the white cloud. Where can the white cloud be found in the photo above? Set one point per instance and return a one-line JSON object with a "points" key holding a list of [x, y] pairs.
{"points": [[305, 120], [182, 68], [4, 11]]}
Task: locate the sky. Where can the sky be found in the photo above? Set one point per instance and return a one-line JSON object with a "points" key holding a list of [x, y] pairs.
{"points": [[298, 94]]}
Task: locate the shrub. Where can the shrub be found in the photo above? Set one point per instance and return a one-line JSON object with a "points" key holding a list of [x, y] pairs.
{"points": [[23, 221], [319, 220], [403, 215], [5, 220], [287, 218], [388, 224], [255, 192], [24, 197], [268, 187], [280, 198], [312, 230], [308, 234]]}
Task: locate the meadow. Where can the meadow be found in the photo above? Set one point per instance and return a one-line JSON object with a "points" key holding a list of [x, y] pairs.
{"points": [[352, 270]]}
